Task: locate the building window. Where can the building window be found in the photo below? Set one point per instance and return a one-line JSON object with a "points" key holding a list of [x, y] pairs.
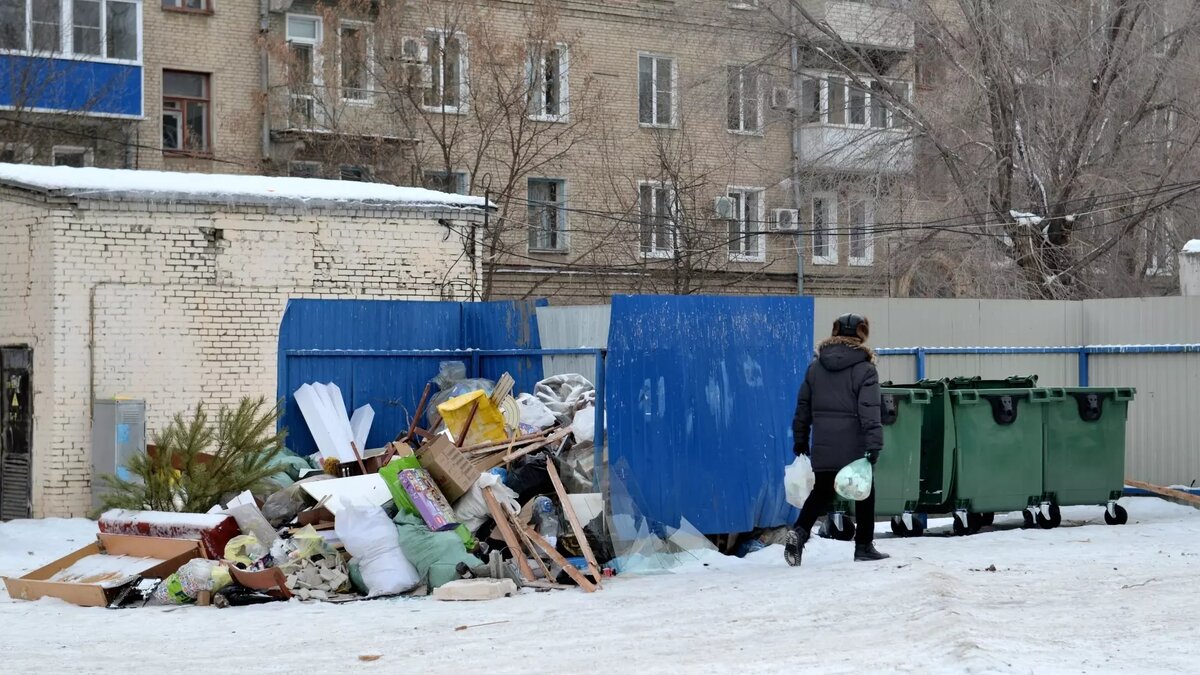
{"points": [[823, 209], [187, 5], [447, 91], [186, 111], [46, 24], [16, 153], [298, 169], [355, 61], [656, 208], [862, 225], [303, 71], [547, 215], [356, 172], [121, 27], [745, 101], [69, 155], [834, 100], [86, 26], [656, 91], [546, 76], [454, 182], [746, 228]]}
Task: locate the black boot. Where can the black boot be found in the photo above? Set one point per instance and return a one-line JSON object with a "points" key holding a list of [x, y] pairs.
{"points": [[868, 552], [793, 546]]}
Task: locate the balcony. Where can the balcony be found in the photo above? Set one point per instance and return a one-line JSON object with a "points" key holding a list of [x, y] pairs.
{"points": [[874, 24], [827, 147]]}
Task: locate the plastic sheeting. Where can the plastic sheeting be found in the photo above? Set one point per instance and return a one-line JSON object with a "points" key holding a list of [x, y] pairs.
{"points": [[701, 393]]}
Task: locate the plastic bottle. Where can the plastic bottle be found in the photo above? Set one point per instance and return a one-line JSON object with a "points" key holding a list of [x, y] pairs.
{"points": [[548, 514]]}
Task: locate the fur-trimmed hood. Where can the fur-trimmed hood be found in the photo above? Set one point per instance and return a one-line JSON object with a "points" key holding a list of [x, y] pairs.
{"points": [[838, 353]]}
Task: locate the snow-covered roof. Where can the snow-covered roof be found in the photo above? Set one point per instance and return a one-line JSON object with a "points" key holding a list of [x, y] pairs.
{"points": [[1192, 246], [223, 188]]}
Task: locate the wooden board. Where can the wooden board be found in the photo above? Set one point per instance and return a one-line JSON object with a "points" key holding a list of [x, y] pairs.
{"points": [[1178, 496], [573, 519], [570, 569], [500, 515], [553, 438], [529, 546]]}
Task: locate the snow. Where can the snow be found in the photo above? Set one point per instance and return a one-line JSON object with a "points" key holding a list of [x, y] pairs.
{"points": [[165, 519], [222, 187], [1083, 597], [106, 571], [1192, 246]]}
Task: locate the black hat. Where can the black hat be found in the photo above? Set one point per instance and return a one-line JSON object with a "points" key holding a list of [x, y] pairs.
{"points": [[852, 326]]}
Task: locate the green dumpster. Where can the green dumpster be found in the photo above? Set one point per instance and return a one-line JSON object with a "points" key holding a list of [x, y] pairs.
{"points": [[1015, 382], [998, 460], [1084, 461], [898, 471]]}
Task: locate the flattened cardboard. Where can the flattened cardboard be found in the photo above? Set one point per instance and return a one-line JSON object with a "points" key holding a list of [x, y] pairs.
{"points": [[172, 552], [450, 468]]}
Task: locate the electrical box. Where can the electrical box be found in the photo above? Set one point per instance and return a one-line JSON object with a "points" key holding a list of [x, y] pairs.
{"points": [[118, 433]]}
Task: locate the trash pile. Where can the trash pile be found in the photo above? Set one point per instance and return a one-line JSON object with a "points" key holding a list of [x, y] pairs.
{"points": [[486, 492]]}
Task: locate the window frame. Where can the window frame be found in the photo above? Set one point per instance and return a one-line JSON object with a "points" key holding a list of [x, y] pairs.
{"points": [[368, 89], [368, 173], [89, 155], [461, 179], [561, 231], [744, 222], [830, 230], [868, 231], [894, 121], [19, 150], [436, 80], [654, 124], [208, 10], [757, 76], [535, 80], [183, 150], [320, 167], [66, 35], [317, 80], [658, 252]]}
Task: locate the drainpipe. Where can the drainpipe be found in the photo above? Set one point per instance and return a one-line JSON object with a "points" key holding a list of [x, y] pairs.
{"points": [[794, 129], [264, 30]]}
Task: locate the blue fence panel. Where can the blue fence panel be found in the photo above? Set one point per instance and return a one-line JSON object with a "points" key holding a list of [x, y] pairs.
{"points": [[700, 394], [354, 344]]}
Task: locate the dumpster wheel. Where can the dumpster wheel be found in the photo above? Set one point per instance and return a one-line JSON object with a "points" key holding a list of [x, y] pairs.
{"points": [[1053, 520], [900, 529], [845, 533], [1119, 516]]}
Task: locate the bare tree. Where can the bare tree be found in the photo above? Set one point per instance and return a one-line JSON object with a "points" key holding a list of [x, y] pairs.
{"points": [[1062, 133]]}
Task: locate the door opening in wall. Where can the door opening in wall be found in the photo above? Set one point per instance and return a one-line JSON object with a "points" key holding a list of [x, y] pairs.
{"points": [[16, 432]]}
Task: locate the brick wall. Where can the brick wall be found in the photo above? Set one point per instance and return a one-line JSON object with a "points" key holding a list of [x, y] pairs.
{"points": [[183, 304]]}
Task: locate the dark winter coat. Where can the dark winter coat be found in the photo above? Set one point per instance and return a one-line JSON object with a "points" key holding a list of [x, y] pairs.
{"points": [[839, 405]]}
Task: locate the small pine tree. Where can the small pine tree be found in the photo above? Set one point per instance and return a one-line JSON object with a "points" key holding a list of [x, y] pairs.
{"points": [[197, 463]]}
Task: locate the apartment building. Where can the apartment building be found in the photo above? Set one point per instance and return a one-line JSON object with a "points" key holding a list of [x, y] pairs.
{"points": [[630, 145]]}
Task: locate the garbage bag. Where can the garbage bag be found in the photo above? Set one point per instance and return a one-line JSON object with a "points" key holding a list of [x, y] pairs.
{"points": [[450, 372], [535, 413], [564, 394], [471, 509], [196, 575], [798, 481], [583, 425], [245, 550], [528, 477], [435, 555], [853, 482], [282, 507], [371, 538]]}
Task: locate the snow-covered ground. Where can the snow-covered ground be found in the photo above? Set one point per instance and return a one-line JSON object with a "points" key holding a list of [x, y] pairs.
{"points": [[1083, 598]]}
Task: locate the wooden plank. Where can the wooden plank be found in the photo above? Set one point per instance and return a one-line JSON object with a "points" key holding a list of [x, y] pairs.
{"points": [[492, 446], [529, 545], [412, 427], [467, 425], [569, 511], [570, 569], [510, 538], [1175, 495], [549, 586], [502, 389], [553, 438]]}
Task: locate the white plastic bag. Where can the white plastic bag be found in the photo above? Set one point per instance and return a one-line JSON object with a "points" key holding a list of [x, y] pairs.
{"points": [[798, 481], [371, 537], [853, 482], [583, 425], [534, 412], [471, 510]]}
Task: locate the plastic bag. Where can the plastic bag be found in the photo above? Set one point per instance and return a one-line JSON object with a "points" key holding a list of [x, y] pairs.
{"points": [[471, 509], [450, 372], [853, 482], [798, 481], [535, 413], [245, 549], [371, 538], [564, 394], [436, 555], [197, 575], [583, 425]]}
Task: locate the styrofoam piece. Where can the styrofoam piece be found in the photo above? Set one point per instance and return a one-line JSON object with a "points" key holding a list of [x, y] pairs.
{"points": [[313, 406], [475, 589], [341, 491], [360, 424]]}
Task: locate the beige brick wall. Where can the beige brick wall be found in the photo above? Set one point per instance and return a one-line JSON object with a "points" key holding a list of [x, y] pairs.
{"points": [[182, 303]]}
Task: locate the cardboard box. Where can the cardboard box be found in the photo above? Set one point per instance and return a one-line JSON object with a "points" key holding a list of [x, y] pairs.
{"points": [[213, 531], [100, 584], [450, 468], [427, 499]]}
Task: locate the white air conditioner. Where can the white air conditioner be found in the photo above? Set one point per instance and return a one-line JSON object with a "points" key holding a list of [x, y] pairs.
{"points": [[783, 98], [724, 208], [786, 220], [414, 50]]}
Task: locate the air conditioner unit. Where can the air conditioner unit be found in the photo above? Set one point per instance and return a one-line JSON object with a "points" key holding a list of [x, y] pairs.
{"points": [[783, 98], [414, 50], [786, 220], [724, 208]]}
